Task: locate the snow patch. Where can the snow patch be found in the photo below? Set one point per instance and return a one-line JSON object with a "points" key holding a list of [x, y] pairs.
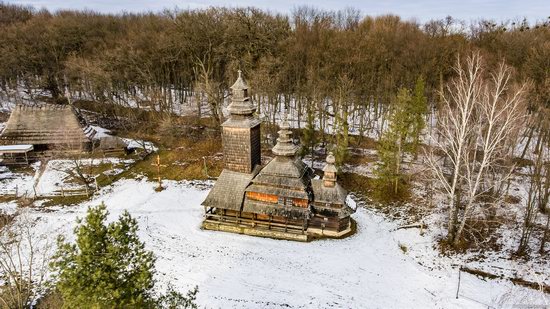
{"points": [[237, 271]]}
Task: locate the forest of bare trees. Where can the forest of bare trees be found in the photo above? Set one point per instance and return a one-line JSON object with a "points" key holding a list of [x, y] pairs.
{"points": [[341, 70], [309, 59]]}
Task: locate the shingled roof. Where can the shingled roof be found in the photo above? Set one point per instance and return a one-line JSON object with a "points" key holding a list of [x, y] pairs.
{"points": [[228, 193], [285, 172], [240, 101], [332, 195], [46, 124], [295, 213]]}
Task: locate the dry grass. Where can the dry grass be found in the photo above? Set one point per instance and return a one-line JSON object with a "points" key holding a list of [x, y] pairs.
{"points": [[403, 248], [357, 157], [363, 142], [7, 198], [65, 200], [5, 219], [52, 300], [479, 235], [193, 154], [356, 183], [4, 116]]}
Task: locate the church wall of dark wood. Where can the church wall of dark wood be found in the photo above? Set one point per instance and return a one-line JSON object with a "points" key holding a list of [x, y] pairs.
{"points": [[236, 148]]}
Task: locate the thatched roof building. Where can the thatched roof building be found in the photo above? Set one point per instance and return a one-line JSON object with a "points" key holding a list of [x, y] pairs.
{"points": [[48, 128], [280, 199]]}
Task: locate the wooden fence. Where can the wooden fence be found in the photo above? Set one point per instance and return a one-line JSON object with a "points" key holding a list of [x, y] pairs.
{"points": [[17, 192]]}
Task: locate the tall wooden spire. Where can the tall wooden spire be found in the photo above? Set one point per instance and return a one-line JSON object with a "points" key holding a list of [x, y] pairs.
{"points": [[241, 132]]}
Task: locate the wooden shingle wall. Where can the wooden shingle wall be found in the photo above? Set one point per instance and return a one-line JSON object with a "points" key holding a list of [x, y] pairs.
{"points": [[241, 148]]}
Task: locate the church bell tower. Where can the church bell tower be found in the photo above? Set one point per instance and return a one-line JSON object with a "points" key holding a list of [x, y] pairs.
{"points": [[241, 132]]}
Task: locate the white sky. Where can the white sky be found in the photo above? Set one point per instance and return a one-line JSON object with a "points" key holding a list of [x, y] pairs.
{"points": [[422, 10]]}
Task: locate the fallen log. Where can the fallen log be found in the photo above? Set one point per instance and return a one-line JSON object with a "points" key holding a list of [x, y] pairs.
{"points": [[411, 226]]}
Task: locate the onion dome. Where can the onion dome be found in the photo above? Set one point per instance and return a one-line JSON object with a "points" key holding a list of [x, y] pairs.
{"points": [[284, 146]]}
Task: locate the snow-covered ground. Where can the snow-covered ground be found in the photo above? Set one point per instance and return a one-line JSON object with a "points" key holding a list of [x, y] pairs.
{"points": [[366, 270], [17, 183], [130, 143], [55, 175]]}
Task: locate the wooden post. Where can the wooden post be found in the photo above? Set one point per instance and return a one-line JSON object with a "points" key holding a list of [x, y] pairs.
{"points": [[158, 165], [458, 287]]}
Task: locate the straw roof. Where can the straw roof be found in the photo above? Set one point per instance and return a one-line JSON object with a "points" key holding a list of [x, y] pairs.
{"points": [[46, 124]]}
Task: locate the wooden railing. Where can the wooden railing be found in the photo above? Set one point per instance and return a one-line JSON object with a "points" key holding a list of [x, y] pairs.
{"points": [[231, 220]]}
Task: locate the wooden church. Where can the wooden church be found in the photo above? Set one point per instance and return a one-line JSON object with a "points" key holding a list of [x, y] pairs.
{"points": [[279, 200]]}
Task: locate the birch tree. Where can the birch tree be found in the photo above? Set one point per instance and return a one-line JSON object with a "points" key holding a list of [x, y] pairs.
{"points": [[24, 257], [479, 115]]}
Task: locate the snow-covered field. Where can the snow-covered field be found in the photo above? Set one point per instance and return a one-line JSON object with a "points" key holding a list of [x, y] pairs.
{"points": [[54, 177], [19, 184], [367, 270]]}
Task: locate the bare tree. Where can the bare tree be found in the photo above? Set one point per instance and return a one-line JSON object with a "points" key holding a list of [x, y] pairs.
{"points": [[77, 162], [543, 185], [475, 126], [24, 254], [537, 197], [212, 89]]}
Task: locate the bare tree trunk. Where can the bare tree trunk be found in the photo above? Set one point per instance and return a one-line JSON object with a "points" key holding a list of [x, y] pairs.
{"points": [[529, 137], [529, 219], [545, 236]]}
